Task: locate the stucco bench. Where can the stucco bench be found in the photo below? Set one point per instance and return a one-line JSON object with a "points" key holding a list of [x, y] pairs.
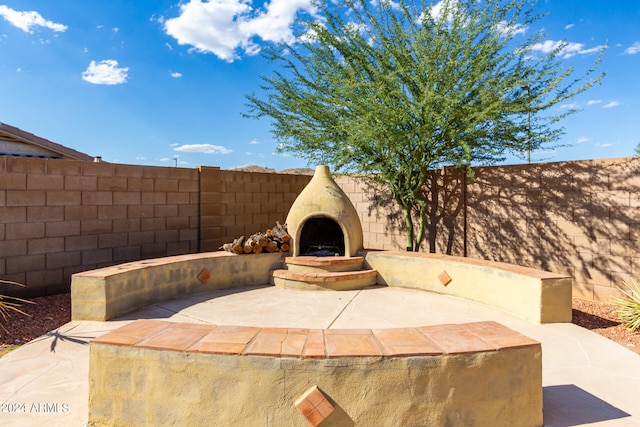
{"points": [[153, 372], [536, 295], [109, 292]]}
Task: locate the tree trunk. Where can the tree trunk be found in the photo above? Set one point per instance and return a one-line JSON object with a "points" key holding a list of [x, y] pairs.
{"points": [[409, 224]]}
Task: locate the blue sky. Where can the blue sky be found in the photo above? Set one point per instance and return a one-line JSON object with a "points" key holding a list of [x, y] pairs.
{"points": [[163, 81]]}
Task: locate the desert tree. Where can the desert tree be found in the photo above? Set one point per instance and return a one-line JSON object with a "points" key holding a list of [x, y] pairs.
{"points": [[395, 89]]}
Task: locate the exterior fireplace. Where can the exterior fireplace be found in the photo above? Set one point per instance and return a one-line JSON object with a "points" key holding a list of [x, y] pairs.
{"points": [[322, 221]]}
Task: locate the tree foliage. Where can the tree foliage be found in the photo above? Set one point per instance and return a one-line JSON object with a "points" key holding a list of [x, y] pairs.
{"points": [[396, 89]]}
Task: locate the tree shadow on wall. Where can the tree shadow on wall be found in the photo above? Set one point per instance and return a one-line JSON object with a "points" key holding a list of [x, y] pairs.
{"points": [[578, 218], [445, 205], [571, 218]]}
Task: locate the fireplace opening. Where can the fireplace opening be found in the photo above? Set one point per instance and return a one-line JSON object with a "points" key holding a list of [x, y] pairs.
{"points": [[321, 236]]}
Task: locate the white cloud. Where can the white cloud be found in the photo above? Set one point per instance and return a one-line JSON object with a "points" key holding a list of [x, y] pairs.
{"points": [[611, 104], [570, 106], [582, 139], [438, 10], [254, 142], [26, 21], [593, 102], [176, 75], [223, 27], [203, 148], [567, 49], [633, 49], [105, 72], [569, 26], [511, 29]]}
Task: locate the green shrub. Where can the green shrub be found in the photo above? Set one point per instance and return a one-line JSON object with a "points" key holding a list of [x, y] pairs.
{"points": [[629, 309]]}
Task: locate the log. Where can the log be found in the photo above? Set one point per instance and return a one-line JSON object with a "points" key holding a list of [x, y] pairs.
{"points": [[235, 247], [262, 239], [272, 246], [279, 232], [255, 240], [272, 240]]}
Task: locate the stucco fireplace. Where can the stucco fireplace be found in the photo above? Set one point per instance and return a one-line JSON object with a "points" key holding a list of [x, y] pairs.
{"points": [[323, 221]]}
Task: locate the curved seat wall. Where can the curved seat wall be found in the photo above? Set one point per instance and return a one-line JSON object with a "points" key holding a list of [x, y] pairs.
{"points": [[536, 295], [113, 291]]}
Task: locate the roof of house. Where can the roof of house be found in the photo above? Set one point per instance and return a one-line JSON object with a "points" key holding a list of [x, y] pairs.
{"points": [[16, 142]]}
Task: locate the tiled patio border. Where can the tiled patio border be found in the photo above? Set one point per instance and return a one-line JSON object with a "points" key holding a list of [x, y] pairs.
{"points": [[317, 343]]}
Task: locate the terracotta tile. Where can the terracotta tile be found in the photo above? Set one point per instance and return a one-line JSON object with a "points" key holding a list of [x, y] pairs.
{"points": [[303, 331], [517, 341], [399, 336], [274, 330], [266, 344], [315, 338], [314, 417], [414, 350], [142, 328], [458, 341], [204, 326], [344, 345], [175, 337], [204, 276], [314, 346], [405, 342], [314, 406], [115, 339], [322, 261], [325, 408], [444, 278], [315, 396], [438, 328], [217, 347], [230, 334], [314, 353], [293, 345], [304, 405], [489, 330], [347, 332]]}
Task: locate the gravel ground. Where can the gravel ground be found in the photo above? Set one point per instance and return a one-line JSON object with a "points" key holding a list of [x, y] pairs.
{"points": [[48, 313], [600, 318]]}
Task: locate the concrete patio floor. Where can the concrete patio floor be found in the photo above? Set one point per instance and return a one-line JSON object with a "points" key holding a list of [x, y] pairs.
{"points": [[587, 379]]}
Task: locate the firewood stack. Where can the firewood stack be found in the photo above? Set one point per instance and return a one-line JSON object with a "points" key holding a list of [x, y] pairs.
{"points": [[275, 239]]}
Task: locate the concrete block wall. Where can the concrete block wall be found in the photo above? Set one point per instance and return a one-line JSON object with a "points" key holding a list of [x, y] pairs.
{"points": [[58, 217], [568, 217], [238, 203], [579, 218]]}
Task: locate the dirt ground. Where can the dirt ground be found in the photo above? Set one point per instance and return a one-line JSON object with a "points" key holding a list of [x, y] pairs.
{"points": [[49, 313]]}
